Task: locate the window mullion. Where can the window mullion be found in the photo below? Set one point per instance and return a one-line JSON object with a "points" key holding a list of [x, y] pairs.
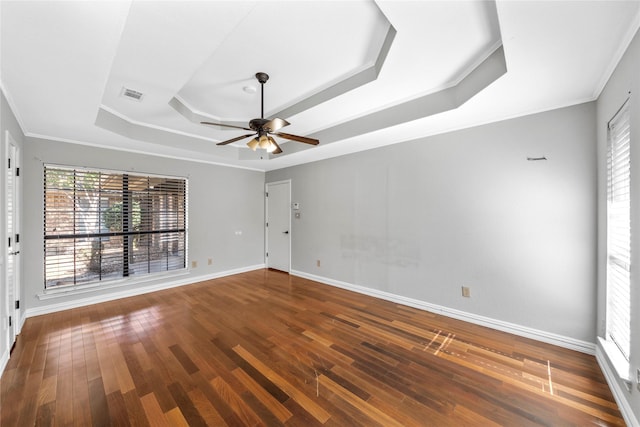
{"points": [[125, 225]]}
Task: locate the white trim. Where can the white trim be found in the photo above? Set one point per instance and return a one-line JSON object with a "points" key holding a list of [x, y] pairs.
{"points": [[12, 106], [154, 126], [137, 151], [616, 359], [71, 290], [52, 308], [512, 328], [3, 361], [194, 111], [619, 394], [23, 318], [13, 151], [266, 214]]}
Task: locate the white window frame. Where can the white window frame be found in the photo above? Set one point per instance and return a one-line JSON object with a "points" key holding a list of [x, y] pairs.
{"points": [[617, 338], [106, 282]]}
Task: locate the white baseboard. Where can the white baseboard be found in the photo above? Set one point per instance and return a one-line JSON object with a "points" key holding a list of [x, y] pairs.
{"points": [[512, 328], [619, 393], [23, 317], [95, 299], [3, 361], [548, 337]]}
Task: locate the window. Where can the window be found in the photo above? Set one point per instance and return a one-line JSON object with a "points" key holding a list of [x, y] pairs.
{"points": [[619, 231], [103, 225]]}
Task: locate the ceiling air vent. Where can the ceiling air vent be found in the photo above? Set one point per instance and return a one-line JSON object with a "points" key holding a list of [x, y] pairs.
{"points": [[132, 94]]}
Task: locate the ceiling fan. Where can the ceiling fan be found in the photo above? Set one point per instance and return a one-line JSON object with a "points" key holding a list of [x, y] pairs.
{"points": [[264, 128]]}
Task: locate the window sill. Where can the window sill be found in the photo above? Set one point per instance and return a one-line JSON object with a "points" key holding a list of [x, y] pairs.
{"points": [[114, 284], [620, 364]]}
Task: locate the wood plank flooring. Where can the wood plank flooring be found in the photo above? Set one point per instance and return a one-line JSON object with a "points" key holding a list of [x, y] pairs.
{"points": [[266, 348]]}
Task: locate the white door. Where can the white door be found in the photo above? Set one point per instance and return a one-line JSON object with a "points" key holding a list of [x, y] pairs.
{"points": [[13, 240], [278, 204]]}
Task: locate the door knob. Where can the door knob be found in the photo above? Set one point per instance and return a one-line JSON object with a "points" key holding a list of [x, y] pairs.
{"points": [[14, 253], [285, 232]]}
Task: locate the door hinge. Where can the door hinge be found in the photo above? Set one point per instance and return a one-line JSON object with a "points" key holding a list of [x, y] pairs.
{"points": [[266, 194], [17, 171], [9, 241], [267, 224], [267, 254], [9, 161], [17, 304], [17, 238], [9, 320]]}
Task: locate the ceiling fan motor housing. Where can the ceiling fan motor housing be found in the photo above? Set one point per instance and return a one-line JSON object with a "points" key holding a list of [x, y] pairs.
{"points": [[257, 124]]}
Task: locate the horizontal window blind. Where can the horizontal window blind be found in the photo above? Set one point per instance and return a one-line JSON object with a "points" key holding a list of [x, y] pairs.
{"points": [[619, 231], [103, 225]]}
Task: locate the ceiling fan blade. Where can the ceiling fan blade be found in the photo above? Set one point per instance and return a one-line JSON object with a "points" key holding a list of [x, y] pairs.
{"points": [[298, 138], [229, 141], [278, 150], [223, 125], [275, 124]]}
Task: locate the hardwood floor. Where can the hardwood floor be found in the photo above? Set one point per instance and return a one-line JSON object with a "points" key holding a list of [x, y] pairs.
{"points": [[266, 348]]}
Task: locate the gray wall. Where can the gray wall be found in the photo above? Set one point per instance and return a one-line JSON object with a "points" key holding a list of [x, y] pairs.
{"points": [[222, 200], [625, 80], [9, 123], [421, 219]]}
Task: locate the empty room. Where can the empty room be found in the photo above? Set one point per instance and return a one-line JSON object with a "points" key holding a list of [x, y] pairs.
{"points": [[306, 213]]}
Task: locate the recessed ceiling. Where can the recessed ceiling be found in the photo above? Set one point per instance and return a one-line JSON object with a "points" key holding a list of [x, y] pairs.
{"points": [[299, 63], [354, 74]]}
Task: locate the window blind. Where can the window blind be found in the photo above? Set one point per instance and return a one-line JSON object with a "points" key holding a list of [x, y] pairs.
{"points": [[619, 231], [104, 225]]}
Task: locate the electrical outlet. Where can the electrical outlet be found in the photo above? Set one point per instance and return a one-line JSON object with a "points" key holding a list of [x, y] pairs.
{"points": [[317, 263], [466, 292], [210, 261], [194, 264]]}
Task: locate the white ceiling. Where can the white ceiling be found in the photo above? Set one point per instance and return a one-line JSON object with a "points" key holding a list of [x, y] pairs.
{"points": [[354, 74]]}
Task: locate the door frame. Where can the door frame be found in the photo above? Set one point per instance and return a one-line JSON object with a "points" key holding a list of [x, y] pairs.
{"points": [[12, 150], [266, 214]]}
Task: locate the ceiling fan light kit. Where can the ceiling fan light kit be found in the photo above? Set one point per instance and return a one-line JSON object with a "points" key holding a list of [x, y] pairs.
{"points": [[253, 144], [264, 128]]}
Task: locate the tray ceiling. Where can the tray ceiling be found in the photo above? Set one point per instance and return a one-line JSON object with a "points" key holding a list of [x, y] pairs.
{"points": [[354, 74]]}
